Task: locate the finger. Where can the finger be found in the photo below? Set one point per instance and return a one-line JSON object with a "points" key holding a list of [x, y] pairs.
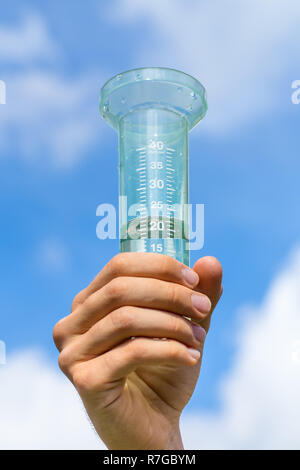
{"points": [[139, 292], [127, 322], [117, 363], [210, 275], [152, 265]]}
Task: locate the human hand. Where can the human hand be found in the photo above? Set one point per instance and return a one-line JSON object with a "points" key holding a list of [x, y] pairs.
{"points": [[134, 390]]}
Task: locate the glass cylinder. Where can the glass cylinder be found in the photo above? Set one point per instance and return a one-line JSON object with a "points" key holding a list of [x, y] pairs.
{"points": [[152, 110]]}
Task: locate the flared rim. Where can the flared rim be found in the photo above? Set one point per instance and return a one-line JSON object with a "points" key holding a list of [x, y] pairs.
{"points": [[193, 102], [165, 74]]}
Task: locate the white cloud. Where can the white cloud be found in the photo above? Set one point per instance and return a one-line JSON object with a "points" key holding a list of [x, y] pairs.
{"points": [[241, 51], [39, 409], [50, 117], [27, 41], [259, 396]]}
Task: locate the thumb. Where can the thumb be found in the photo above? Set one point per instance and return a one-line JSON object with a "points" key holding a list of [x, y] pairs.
{"points": [[210, 275]]}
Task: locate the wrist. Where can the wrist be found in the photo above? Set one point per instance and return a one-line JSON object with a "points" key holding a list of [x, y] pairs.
{"points": [[175, 440]]}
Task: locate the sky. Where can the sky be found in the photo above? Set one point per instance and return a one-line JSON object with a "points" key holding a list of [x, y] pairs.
{"points": [[58, 162]]}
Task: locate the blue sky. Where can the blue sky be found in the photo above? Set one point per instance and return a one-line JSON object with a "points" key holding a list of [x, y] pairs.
{"points": [[58, 160]]}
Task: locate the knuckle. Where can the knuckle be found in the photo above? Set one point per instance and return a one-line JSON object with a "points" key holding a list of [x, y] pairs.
{"points": [[85, 380], [78, 299], [90, 303], [137, 350], [173, 351], [172, 294], [65, 361], [167, 265], [117, 288], [118, 264], [123, 318], [82, 380], [176, 326], [59, 333]]}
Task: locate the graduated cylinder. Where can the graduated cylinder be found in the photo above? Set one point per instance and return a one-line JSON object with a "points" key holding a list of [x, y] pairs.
{"points": [[154, 183], [152, 109]]}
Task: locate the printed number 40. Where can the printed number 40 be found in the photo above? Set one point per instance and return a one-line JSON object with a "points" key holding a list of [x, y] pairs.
{"points": [[156, 145]]}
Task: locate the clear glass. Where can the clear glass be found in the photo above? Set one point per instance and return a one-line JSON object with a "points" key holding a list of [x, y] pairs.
{"points": [[152, 110]]}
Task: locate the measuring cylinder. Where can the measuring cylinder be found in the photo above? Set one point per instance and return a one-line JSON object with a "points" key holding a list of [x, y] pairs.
{"points": [[152, 109]]}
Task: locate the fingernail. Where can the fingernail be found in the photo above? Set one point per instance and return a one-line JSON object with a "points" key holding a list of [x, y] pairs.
{"points": [[194, 353], [201, 303], [190, 277], [199, 332]]}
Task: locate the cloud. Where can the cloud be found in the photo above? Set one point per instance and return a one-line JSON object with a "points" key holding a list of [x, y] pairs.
{"points": [[241, 51], [27, 41], [39, 409], [48, 117], [259, 396]]}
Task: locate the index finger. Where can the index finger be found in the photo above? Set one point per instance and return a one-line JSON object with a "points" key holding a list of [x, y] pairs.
{"points": [[151, 265]]}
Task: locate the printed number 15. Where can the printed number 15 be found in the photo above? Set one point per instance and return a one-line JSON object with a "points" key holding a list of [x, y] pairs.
{"points": [[157, 247]]}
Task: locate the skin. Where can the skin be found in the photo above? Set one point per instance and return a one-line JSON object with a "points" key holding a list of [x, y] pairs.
{"points": [[134, 390]]}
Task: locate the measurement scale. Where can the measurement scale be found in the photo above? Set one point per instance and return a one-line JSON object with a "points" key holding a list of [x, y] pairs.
{"points": [[152, 110]]}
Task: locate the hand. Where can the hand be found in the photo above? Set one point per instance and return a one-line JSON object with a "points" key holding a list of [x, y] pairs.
{"points": [[130, 349]]}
